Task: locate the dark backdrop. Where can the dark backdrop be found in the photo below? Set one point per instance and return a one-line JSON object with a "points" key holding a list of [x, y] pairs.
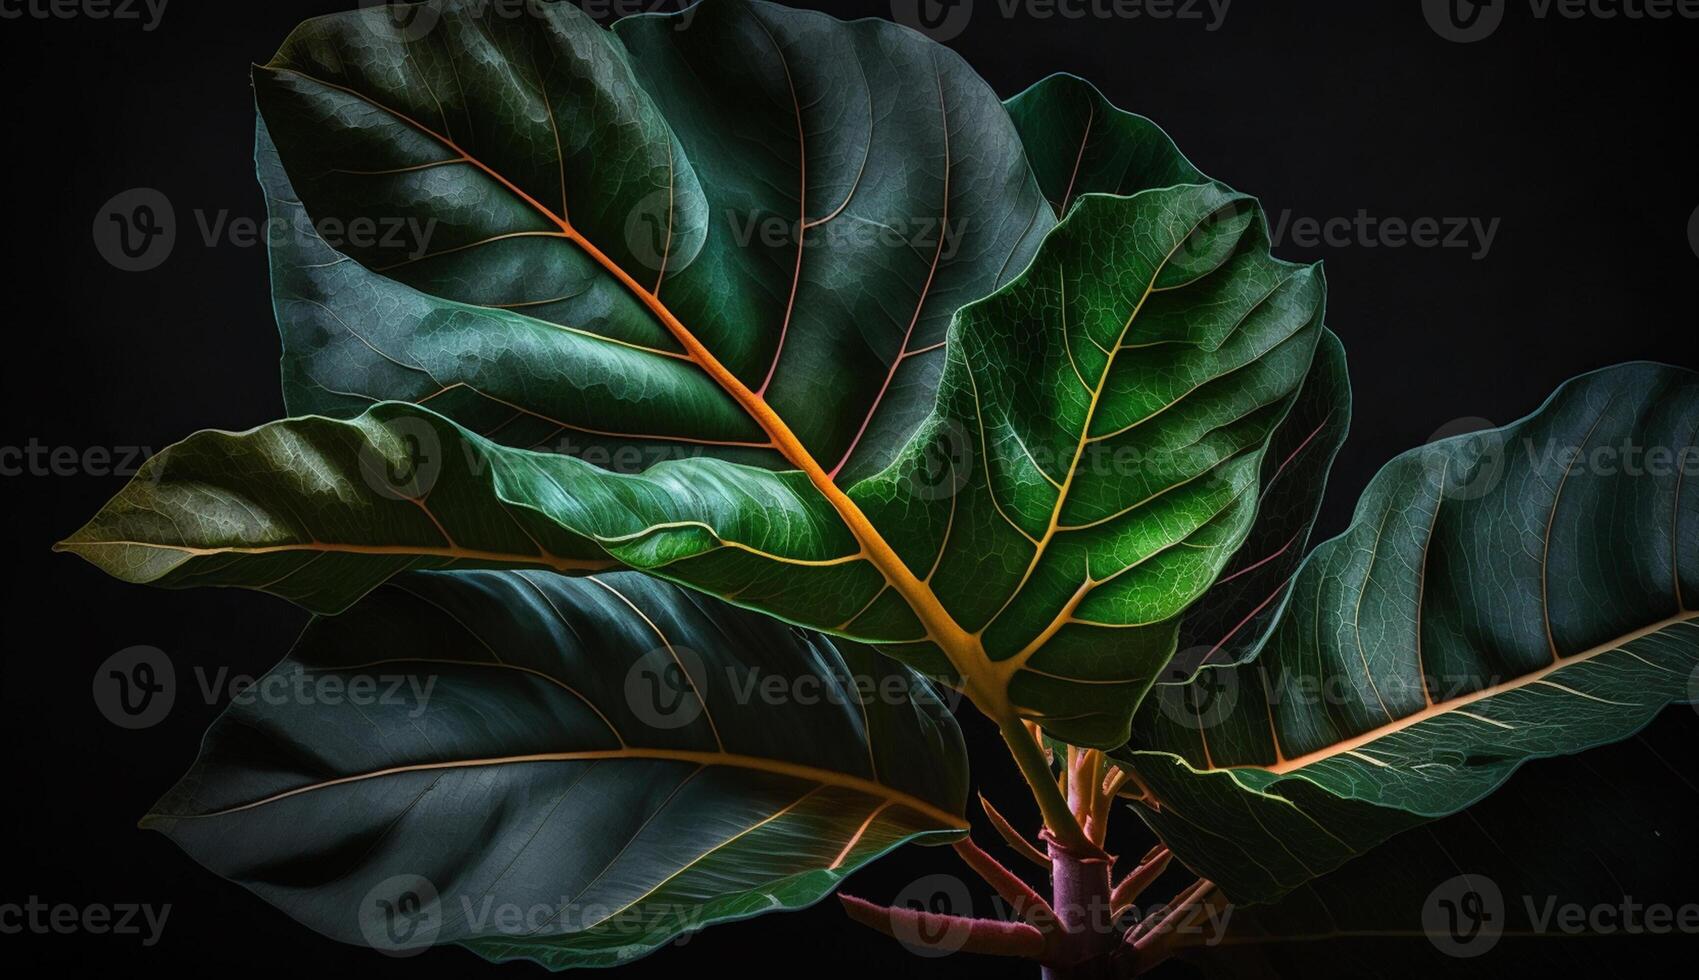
{"points": [[1576, 136]]}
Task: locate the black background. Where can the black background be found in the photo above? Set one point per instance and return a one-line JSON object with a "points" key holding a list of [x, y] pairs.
{"points": [[1577, 134]]}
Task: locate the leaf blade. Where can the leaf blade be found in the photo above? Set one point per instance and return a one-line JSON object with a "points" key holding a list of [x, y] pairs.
{"points": [[561, 780], [1311, 781]]}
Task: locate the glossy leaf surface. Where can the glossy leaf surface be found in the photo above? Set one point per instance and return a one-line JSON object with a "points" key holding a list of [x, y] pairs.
{"points": [[1500, 597], [570, 770]]}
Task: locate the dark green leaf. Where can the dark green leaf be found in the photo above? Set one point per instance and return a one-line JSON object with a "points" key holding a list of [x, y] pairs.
{"points": [[574, 771], [1097, 426], [1503, 596], [813, 198]]}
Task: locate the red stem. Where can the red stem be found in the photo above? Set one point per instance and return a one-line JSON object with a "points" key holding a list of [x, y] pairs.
{"points": [[1028, 904], [914, 927], [1011, 836]]}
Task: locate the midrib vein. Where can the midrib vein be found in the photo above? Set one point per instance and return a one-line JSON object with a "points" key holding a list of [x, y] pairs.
{"points": [[1442, 708], [814, 774], [963, 650]]}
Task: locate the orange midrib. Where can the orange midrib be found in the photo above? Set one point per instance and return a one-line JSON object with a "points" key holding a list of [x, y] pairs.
{"points": [[1442, 708], [814, 774], [963, 649]]}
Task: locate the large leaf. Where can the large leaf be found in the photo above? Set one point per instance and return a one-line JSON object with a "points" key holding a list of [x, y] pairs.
{"points": [[574, 771], [1079, 143], [1089, 464], [814, 198], [1500, 597], [1111, 407]]}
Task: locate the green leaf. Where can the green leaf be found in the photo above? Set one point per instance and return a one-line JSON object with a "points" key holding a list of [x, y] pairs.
{"points": [[1106, 417], [813, 198], [1502, 596], [1229, 622], [572, 771], [1102, 424], [1087, 464], [1079, 143]]}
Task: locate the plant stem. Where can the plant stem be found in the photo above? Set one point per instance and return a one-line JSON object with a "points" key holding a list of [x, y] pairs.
{"points": [[1058, 818], [1085, 939]]}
